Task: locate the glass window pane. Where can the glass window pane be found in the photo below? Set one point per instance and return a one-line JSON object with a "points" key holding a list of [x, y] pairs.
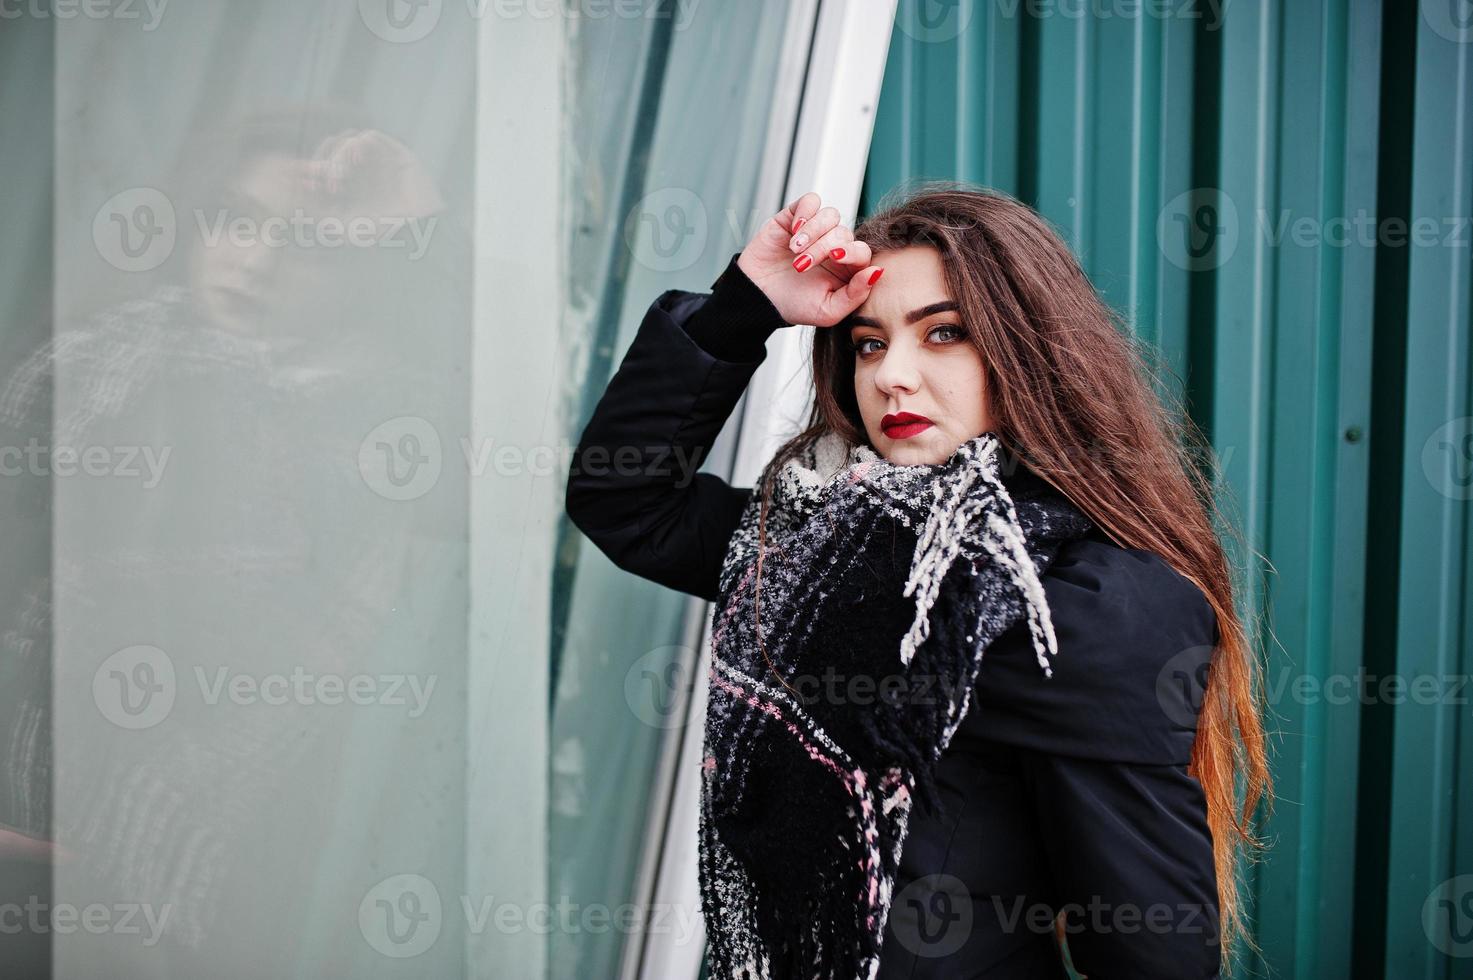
{"points": [[256, 714]]}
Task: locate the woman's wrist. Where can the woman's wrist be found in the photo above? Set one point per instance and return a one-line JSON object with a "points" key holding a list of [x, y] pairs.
{"points": [[736, 319]]}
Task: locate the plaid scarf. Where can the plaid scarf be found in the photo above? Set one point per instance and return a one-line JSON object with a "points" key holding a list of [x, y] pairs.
{"points": [[881, 587]]}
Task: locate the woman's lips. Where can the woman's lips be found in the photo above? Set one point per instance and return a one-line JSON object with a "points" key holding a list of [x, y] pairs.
{"points": [[904, 425]]}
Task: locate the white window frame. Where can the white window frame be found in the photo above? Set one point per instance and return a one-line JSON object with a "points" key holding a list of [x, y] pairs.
{"points": [[828, 90]]}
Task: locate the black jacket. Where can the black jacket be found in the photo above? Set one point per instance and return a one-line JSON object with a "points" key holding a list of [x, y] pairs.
{"points": [[1070, 791]]}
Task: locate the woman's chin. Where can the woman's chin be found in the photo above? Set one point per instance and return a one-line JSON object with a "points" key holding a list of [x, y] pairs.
{"points": [[921, 449]]}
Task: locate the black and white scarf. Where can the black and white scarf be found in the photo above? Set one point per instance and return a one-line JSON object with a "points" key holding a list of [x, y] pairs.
{"points": [[881, 587]]}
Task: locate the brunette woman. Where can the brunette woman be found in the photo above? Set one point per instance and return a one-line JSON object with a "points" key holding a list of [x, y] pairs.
{"points": [[987, 485]]}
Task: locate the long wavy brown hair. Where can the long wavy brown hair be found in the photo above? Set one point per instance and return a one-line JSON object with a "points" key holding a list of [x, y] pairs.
{"points": [[1078, 398]]}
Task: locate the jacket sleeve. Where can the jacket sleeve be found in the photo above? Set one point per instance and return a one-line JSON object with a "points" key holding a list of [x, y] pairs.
{"points": [[1105, 746], [633, 486]]}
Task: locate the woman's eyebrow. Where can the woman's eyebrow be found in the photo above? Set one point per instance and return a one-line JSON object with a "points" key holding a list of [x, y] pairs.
{"points": [[914, 316]]}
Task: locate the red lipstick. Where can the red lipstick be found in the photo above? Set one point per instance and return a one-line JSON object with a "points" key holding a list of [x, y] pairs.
{"points": [[903, 425]]}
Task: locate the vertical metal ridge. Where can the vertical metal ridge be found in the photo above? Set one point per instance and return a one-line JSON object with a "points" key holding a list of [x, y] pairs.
{"points": [[1318, 367]]}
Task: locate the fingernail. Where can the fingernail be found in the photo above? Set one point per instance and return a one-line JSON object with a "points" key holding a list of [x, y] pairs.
{"points": [[802, 262], [836, 254], [798, 224], [800, 241], [874, 277]]}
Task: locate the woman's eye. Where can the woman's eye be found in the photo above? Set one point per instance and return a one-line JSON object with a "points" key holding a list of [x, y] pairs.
{"points": [[943, 334]]}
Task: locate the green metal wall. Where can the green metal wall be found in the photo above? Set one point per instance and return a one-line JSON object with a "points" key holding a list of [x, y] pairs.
{"points": [[1278, 194]]}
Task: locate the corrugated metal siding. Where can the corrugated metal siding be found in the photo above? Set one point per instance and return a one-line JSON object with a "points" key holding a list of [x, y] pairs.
{"points": [[1198, 169]]}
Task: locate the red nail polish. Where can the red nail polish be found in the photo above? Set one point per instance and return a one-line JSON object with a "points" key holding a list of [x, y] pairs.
{"points": [[836, 254], [802, 262], [798, 224], [874, 277]]}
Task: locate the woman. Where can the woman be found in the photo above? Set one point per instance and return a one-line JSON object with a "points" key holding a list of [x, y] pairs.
{"points": [[985, 470]]}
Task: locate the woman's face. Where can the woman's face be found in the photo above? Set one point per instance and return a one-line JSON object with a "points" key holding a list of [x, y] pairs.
{"points": [[912, 358]]}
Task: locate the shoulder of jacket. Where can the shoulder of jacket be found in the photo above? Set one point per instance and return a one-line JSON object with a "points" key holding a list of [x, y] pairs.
{"points": [[1134, 640], [1131, 591], [1132, 632]]}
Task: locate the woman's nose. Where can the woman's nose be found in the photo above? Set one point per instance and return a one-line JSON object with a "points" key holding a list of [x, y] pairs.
{"points": [[900, 369]]}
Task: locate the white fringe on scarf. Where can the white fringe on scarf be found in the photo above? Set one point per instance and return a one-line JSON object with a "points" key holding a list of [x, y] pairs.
{"points": [[949, 525]]}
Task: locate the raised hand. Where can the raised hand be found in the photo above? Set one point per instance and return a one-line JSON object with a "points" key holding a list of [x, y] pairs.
{"points": [[809, 264]]}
